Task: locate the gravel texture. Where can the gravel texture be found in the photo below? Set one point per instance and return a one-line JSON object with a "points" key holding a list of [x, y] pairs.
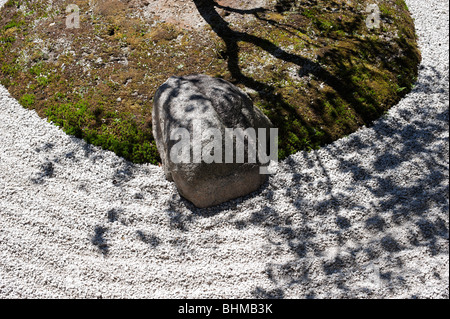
{"points": [[365, 217]]}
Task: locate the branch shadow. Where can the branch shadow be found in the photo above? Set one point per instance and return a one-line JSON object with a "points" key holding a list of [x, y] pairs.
{"points": [[345, 86], [401, 214], [413, 207]]}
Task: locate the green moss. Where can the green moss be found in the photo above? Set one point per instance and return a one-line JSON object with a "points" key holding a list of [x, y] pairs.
{"points": [[386, 11], [316, 72], [7, 40], [42, 80], [27, 100], [36, 69], [9, 69]]}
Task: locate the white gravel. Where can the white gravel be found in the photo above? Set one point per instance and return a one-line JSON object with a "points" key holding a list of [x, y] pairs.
{"points": [[365, 217]]}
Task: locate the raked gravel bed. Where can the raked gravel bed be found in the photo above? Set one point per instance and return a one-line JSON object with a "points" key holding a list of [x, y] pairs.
{"points": [[364, 217]]}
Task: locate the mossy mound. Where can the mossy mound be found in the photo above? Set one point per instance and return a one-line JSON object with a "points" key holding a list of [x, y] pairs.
{"points": [[318, 69]]}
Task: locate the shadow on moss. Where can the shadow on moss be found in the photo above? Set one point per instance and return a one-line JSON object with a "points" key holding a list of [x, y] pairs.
{"points": [[313, 67]]}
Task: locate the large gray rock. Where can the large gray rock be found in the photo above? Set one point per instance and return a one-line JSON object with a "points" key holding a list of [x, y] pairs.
{"points": [[196, 103]]}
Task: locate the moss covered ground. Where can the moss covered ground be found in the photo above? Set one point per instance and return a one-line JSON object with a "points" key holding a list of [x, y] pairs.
{"points": [[314, 67]]}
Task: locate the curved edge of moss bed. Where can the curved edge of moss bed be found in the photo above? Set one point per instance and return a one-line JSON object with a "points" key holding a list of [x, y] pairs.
{"points": [[313, 67]]}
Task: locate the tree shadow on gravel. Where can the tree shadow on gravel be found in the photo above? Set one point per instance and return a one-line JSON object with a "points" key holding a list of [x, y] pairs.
{"points": [[403, 212], [316, 215], [99, 240], [417, 206]]}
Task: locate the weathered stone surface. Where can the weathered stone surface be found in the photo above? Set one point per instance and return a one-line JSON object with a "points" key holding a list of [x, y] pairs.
{"points": [[218, 104]]}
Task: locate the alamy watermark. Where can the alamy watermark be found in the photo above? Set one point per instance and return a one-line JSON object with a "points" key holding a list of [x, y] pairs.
{"points": [[373, 19], [211, 146], [73, 17]]}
